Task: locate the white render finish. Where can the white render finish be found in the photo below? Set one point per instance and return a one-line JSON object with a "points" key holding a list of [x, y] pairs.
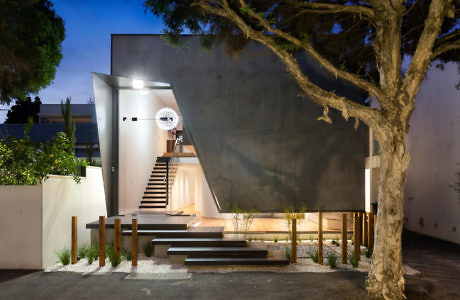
{"points": [[36, 220], [434, 144], [140, 143]]}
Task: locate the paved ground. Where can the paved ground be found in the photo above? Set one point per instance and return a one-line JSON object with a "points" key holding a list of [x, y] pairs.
{"points": [[437, 260]]}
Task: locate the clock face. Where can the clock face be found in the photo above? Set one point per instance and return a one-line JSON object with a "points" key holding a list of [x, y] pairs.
{"points": [[167, 118]]}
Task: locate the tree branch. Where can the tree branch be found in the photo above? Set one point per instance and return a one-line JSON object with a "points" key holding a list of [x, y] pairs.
{"points": [[423, 53], [445, 47], [326, 8], [350, 77], [349, 108]]}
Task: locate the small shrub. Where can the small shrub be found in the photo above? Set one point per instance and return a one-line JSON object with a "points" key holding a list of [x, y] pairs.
{"points": [[64, 256], [287, 239], [81, 251], [148, 249], [92, 253], [354, 260], [126, 255], [275, 239], [332, 261], [249, 239], [313, 255], [288, 253], [115, 259], [336, 242], [369, 252], [310, 238], [262, 239]]}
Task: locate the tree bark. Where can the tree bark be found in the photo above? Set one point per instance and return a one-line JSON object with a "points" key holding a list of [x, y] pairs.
{"points": [[385, 279]]}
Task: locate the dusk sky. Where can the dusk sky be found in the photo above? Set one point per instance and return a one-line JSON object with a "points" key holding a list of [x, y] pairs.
{"points": [[86, 48]]}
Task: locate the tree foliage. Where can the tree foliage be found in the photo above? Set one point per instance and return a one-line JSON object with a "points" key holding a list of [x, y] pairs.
{"points": [[24, 162], [30, 47], [24, 111], [69, 124]]}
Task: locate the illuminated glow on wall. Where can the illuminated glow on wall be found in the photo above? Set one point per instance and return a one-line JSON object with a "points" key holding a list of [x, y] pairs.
{"points": [[138, 84], [367, 189]]}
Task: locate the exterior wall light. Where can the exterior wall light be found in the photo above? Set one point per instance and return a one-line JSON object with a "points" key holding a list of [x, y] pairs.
{"points": [[167, 118], [138, 84]]}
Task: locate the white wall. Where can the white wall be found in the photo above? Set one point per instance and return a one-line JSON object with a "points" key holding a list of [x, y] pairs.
{"points": [[20, 227], [62, 199], [434, 144], [36, 220], [187, 186], [139, 145]]}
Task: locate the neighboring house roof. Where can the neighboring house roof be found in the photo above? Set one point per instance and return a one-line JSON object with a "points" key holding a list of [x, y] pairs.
{"points": [[45, 132], [77, 109]]}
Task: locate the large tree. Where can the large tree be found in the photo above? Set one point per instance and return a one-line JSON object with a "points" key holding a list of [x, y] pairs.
{"points": [[30, 47], [361, 42], [24, 111]]}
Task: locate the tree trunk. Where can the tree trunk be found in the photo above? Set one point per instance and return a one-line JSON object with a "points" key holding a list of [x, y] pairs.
{"points": [[385, 279]]}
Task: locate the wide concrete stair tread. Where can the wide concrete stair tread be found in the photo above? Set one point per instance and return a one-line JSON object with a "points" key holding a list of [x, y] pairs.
{"points": [[193, 232], [222, 252], [235, 261], [199, 242]]}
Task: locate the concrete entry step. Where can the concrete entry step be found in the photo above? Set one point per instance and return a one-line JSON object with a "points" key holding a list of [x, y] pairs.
{"points": [[194, 232], [218, 252], [235, 261], [199, 242]]}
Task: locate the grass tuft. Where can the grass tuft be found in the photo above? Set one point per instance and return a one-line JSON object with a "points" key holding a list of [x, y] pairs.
{"points": [[82, 250], [332, 261], [92, 253], [115, 259], [313, 255], [354, 260], [288, 253], [275, 239], [148, 249], [64, 256]]}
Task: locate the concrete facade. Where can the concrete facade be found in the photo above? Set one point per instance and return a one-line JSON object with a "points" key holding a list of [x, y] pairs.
{"points": [[259, 143]]}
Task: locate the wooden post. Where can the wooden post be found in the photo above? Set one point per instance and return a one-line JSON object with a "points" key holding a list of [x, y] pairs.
{"points": [[117, 237], [357, 241], [344, 238], [320, 237], [101, 241], [294, 241], [365, 230], [370, 231], [134, 243], [74, 240]]}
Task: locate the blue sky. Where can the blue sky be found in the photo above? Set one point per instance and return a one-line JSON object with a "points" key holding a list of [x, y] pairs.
{"points": [[86, 48]]}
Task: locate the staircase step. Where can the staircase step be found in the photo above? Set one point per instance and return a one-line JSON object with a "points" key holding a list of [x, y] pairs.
{"points": [[200, 242], [193, 232], [157, 183], [156, 180], [152, 206], [156, 188], [153, 202], [218, 251], [235, 261], [153, 197], [154, 193]]}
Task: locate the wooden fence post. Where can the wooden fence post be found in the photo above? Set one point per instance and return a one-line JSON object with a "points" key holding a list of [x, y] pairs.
{"points": [[294, 241], [74, 240], [344, 238], [365, 230], [320, 237], [101, 241], [370, 231], [134, 243], [117, 237], [357, 239]]}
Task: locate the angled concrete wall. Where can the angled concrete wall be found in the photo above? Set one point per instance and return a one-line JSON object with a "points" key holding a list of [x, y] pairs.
{"points": [[259, 143]]}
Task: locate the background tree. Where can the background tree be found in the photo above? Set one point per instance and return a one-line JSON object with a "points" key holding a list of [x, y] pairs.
{"points": [[69, 128], [30, 47], [22, 111], [361, 42]]}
